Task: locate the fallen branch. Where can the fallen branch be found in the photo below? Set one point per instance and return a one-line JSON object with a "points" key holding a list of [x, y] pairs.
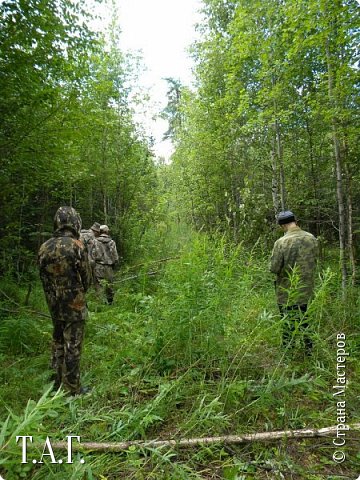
{"points": [[24, 309], [36, 312], [189, 442], [133, 277], [154, 261], [8, 298], [21, 308]]}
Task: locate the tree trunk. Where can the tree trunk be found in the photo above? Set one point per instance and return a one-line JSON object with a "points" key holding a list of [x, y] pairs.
{"points": [[105, 211], [338, 166], [281, 166], [277, 150], [19, 256], [314, 179], [91, 206], [274, 182], [191, 442], [350, 229]]}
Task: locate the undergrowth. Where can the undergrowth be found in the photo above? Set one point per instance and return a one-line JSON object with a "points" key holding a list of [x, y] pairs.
{"points": [[191, 350]]}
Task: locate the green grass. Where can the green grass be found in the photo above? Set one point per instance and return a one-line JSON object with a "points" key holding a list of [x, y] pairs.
{"points": [[191, 351]]}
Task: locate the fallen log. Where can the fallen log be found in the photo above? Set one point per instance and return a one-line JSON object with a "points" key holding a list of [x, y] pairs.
{"points": [[133, 277], [26, 310], [22, 308], [161, 260], [189, 442]]}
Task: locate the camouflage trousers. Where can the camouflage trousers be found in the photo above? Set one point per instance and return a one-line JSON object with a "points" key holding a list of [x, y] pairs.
{"points": [[68, 332], [66, 352], [104, 277]]}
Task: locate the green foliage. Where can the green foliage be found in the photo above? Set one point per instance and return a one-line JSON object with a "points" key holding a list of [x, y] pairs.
{"points": [[29, 422], [171, 112], [193, 351], [256, 135], [20, 331], [191, 345], [20, 334], [67, 133], [191, 327]]}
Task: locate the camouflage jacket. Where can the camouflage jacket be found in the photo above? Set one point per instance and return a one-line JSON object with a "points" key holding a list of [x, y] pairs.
{"points": [[294, 256], [63, 265], [89, 240], [105, 251]]}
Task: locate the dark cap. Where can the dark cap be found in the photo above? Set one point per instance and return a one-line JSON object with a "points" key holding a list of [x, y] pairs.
{"points": [[285, 217], [96, 227]]}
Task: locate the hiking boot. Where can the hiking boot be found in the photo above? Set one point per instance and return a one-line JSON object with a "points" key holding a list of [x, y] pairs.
{"points": [[55, 379], [82, 391], [85, 390]]}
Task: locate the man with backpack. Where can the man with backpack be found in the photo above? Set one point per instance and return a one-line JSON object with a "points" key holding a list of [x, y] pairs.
{"points": [[106, 258]]}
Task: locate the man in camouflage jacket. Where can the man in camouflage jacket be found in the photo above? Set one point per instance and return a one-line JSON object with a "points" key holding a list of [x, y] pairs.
{"points": [[88, 237], [65, 275], [293, 261], [106, 257]]}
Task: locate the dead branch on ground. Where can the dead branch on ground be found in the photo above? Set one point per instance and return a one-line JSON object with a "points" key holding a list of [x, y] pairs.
{"points": [[190, 442]]}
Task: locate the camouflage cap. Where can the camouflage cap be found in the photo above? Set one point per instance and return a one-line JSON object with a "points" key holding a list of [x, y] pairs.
{"points": [[96, 227], [104, 229], [67, 218], [285, 217]]}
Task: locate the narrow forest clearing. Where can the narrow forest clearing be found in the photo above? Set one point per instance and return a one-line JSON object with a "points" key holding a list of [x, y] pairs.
{"points": [[206, 366], [193, 351]]}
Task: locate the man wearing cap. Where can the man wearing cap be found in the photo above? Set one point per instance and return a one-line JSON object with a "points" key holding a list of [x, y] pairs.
{"points": [[293, 260], [88, 237], [106, 257]]}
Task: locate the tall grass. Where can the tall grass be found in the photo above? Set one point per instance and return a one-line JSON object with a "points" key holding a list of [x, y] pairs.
{"points": [[194, 350]]}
